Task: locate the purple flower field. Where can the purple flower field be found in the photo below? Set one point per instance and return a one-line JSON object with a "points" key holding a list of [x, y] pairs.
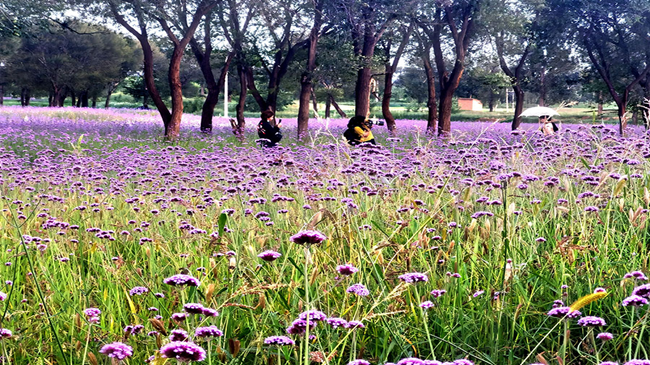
{"points": [[489, 247]]}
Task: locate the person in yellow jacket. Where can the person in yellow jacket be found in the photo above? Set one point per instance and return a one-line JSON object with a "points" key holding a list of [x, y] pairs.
{"points": [[359, 131]]}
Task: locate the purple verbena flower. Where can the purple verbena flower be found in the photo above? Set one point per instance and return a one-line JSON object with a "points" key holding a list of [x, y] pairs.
{"points": [[117, 350], [279, 341], [346, 269], [209, 331], [358, 289], [182, 279], [269, 255], [308, 238], [414, 277], [591, 321], [183, 351]]}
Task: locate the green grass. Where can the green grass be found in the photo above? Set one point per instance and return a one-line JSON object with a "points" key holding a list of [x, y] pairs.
{"points": [[259, 299]]}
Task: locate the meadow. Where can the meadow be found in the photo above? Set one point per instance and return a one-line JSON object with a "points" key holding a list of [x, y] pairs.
{"points": [[488, 247]]}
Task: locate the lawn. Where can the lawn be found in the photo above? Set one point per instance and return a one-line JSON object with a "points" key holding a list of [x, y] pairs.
{"points": [[477, 247]]}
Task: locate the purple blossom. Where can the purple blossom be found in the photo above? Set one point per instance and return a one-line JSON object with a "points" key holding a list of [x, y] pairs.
{"points": [[299, 326], [561, 312], [117, 350], [308, 238], [279, 341], [604, 336], [5, 333], [346, 269], [314, 315], [638, 275], [359, 362], [138, 290], [358, 289], [193, 308], [642, 291], [438, 293], [178, 335], [182, 279], [183, 351], [269, 255], [209, 331], [427, 304], [635, 301], [410, 361], [414, 277], [354, 325], [336, 322], [591, 321], [209, 312]]}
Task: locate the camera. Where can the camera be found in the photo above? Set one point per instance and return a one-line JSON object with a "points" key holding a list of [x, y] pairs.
{"points": [[372, 122]]}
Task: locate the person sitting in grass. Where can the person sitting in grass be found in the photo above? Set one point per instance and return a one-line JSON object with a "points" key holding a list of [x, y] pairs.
{"points": [[269, 130], [547, 127], [359, 131]]}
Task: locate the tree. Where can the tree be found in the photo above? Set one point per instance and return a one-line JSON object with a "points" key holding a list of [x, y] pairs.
{"points": [[512, 27], [459, 17], [280, 21], [367, 22], [235, 26], [391, 68], [165, 14], [306, 79], [614, 36], [74, 64], [203, 54]]}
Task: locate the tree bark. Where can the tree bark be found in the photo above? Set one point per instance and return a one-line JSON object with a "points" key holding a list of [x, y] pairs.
{"points": [[214, 87], [542, 88], [338, 108], [600, 103], [388, 78], [172, 129], [432, 115], [241, 122], [449, 81], [84, 99], [328, 106], [107, 103], [515, 77], [306, 79], [25, 96], [2, 95], [94, 102]]}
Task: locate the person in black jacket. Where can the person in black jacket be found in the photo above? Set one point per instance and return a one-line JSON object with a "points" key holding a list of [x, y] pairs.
{"points": [[267, 129]]}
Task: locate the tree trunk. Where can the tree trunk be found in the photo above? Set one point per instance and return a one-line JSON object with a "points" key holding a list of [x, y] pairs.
{"points": [[50, 99], [519, 106], [385, 102], [84, 99], [328, 106], [241, 122], [2, 95], [338, 108], [600, 103], [362, 92], [303, 108], [432, 116], [622, 120], [214, 87], [542, 87], [150, 84], [173, 128], [73, 96], [491, 100], [306, 79], [94, 102], [444, 112], [314, 103], [22, 97], [107, 103]]}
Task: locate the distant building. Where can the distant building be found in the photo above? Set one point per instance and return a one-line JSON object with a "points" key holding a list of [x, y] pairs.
{"points": [[470, 104]]}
